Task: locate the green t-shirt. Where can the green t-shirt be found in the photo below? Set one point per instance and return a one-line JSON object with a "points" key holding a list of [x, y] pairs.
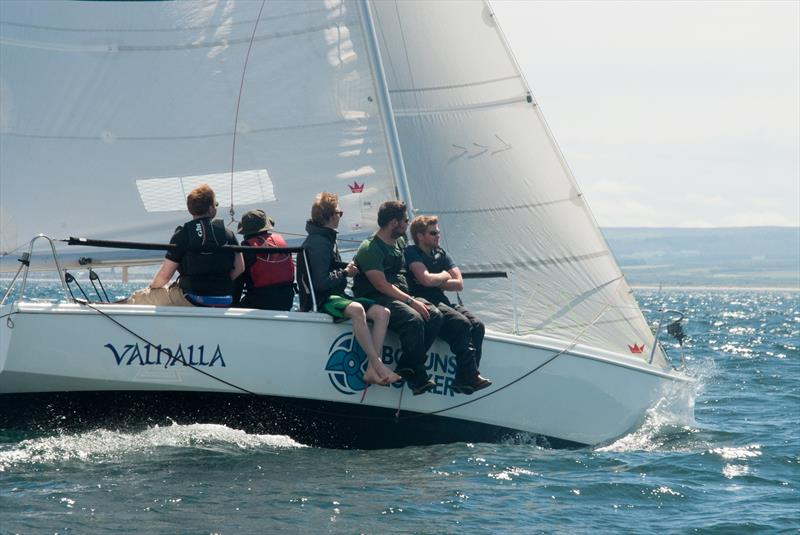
{"points": [[374, 253]]}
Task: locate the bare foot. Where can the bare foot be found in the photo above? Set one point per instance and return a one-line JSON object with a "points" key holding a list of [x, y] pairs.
{"points": [[391, 377], [387, 376], [372, 377]]}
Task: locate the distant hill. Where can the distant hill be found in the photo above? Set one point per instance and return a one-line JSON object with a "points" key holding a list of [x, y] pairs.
{"points": [[738, 256]]}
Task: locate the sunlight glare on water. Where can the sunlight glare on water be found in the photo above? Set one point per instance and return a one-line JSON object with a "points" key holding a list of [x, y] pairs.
{"points": [[733, 468]]}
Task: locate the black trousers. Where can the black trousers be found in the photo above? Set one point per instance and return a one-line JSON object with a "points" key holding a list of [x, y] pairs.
{"points": [[464, 333], [416, 334]]}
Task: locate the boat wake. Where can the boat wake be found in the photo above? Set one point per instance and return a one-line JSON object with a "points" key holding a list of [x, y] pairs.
{"points": [[105, 446], [670, 424]]}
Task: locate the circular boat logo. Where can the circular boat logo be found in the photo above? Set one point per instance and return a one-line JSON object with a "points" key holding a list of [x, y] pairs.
{"points": [[346, 363]]}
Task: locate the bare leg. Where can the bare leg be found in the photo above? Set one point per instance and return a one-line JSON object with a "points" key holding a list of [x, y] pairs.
{"points": [[356, 313], [380, 323]]}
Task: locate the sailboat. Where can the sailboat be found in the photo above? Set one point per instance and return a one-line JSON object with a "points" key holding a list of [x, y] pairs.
{"points": [[110, 112]]}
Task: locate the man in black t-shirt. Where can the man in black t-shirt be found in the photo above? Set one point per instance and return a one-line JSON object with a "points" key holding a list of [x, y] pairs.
{"points": [[206, 270], [431, 271]]}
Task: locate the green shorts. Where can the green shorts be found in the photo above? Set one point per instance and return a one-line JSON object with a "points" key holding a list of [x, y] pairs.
{"points": [[335, 304]]}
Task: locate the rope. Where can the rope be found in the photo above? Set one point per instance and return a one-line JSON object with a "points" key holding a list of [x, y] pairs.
{"points": [[239, 100], [143, 339], [397, 415], [571, 345]]}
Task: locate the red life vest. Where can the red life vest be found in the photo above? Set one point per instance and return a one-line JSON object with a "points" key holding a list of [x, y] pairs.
{"points": [[270, 269]]}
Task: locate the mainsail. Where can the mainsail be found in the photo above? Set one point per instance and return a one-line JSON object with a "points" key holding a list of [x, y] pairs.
{"points": [[112, 111], [478, 153]]}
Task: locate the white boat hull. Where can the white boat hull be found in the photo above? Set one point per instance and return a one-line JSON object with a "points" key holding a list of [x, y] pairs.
{"points": [[52, 355]]}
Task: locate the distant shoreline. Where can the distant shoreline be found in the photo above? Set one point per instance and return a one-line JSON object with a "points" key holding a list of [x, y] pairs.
{"points": [[717, 288]]}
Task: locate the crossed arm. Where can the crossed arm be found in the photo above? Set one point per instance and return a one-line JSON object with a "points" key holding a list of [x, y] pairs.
{"points": [[450, 281]]}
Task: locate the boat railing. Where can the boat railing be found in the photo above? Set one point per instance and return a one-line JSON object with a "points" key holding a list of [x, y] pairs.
{"points": [[66, 278], [674, 328], [24, 268]]}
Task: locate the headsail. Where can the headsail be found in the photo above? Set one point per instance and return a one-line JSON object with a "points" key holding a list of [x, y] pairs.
{"points": [[478, 153], [112, 111]]}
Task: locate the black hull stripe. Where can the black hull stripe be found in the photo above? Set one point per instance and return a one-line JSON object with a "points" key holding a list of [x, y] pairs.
{"points": [[313, 423]]}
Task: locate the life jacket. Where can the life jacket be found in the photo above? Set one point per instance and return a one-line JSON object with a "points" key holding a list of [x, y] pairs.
{"points": [[203, 255], [270, 269]]}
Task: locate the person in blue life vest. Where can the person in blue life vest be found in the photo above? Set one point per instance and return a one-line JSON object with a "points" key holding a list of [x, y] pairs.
{"points": [[268, 279], [206, 270], [329, 277], [432, 272], [381, 277]]}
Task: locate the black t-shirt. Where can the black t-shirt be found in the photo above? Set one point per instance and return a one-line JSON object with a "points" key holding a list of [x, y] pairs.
{"points": [[437, 262]]}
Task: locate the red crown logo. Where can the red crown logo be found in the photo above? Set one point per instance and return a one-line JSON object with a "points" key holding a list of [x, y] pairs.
{"points": [[355, 187], [636, 349]]}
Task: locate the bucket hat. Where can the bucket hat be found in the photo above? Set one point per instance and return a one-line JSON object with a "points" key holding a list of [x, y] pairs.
{"points": [[255, 222]]}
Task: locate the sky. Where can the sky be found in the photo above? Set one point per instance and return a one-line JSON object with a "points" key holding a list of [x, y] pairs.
{"points": [[673, 113]]}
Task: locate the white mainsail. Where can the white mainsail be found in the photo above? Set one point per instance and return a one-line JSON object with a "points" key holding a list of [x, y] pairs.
{"points": [[112, 111], [478, 153]]}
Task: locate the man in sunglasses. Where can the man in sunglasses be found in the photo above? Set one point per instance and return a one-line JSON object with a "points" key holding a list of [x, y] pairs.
{"points": [[431, 273], [381, 277]]}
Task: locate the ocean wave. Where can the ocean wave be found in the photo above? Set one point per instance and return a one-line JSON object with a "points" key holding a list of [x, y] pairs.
{"points": [[669, 424], [102, 445]]}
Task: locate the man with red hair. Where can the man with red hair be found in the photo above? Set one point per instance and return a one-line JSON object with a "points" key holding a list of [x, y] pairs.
{"points": [[206, 269]]}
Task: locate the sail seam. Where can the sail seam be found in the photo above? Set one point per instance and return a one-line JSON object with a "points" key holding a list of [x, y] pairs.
{"points": [[625, 319], [105, 48], [529, 263], [455, 86], [482, 105], [196, 136], [160, 30], [502, 208]]}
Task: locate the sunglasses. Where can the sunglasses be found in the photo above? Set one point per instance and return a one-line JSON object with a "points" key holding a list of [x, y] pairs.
{"points": [[433, 232], [340, 213]]}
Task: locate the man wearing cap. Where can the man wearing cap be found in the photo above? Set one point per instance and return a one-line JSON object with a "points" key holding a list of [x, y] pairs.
{"points": [[206, 269], [268, 279]]}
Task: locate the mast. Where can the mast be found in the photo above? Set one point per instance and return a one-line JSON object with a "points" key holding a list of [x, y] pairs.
{"points": [[384, 104]]}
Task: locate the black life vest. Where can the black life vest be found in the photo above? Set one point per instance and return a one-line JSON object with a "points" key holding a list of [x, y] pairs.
{"points": [[203, 254]]}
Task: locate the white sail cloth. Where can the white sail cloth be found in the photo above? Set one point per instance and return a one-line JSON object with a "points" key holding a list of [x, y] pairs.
{"points": [[478, 154], [111, 111]]}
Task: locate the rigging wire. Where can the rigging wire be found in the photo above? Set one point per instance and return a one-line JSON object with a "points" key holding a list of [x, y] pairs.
{"points": [[238, 102], [181, 359]]}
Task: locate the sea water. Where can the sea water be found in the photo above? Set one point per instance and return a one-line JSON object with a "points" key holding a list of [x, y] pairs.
{"points": [[735, 468]]}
